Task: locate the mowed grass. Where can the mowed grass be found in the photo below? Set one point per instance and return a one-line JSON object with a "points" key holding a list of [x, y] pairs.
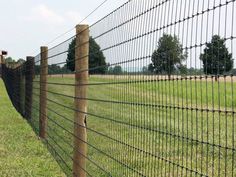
{"points": [[22, 154], [160, 128]]}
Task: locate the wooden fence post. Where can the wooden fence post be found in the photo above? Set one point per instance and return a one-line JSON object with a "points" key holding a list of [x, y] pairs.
{"points": [[17, 87], [1, 63], [81, 79], [29, 72], [43, 92], [13, 85], [3, 68], [22, 90]]}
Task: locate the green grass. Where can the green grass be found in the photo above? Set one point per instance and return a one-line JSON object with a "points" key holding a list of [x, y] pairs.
{"points": [[22, 154], [155, 140]]}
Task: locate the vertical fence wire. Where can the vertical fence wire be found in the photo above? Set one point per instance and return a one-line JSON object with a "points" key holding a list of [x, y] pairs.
{"points": [[161, 99]]}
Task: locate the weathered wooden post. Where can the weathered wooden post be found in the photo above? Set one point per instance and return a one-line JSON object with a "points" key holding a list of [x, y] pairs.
{"points": [[22, 89], [3, 67], [17, 87], [43, 92], [81, 80], [29, 72], [14, 85], [1, 63]]}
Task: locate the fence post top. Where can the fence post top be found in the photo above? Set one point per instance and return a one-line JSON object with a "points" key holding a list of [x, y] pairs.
{"points": [[29, 58], [81, 27], [43, 48]]}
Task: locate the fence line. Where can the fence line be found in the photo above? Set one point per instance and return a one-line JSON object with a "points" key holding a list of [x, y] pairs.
{"points": [[150, 91]]}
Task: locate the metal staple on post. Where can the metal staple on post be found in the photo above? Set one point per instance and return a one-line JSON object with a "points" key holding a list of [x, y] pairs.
{"points": [[43, 92], [81, 79]]}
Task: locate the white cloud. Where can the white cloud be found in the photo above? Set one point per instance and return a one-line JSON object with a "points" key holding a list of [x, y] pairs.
{"points": [[48, 14], [73, 16], [44, 14]]}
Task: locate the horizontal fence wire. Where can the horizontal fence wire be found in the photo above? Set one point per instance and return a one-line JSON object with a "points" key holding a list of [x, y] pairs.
{"points": [[160, 93]]}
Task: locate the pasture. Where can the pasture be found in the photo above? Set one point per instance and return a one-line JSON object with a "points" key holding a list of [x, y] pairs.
{"points": [[180, 127], [21, 152]]}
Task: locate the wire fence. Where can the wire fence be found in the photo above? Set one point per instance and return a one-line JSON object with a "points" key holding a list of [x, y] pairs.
{"points": [[160, 96]]}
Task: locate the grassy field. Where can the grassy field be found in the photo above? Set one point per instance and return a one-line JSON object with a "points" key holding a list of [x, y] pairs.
{"points": [[161, 128], [21, 152]]}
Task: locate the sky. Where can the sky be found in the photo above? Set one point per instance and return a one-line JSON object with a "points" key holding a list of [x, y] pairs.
{"points": [[28, 24], [189, 20]]}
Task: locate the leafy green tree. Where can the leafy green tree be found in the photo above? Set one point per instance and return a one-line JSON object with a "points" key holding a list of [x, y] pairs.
{"points": [[117, 70], [97, 61], [195, 71], [183, 69], [216, 57], [168, 56], [20, 61], [54, 69], [65, 70], [150, 68], [36, 69], [233, 72], [110, 70], [9, 60], [145, 70]]}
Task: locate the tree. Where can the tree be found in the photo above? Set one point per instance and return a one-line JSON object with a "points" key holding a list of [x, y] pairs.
{"points": [[9, 60], [110, 70], [233, 72], [54, 69], [12, 62], [216, 57], [20, 61], [145, 70], [97, 61], [150, 68], [168, 56], [36, 69], [195, 71], [183, 69], [115, 70]]}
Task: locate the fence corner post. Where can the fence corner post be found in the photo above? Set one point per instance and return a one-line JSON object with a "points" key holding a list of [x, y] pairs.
{"points": [[29, 71], [43, 92], [81, 80]]}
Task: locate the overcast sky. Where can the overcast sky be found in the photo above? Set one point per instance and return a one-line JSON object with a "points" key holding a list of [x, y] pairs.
{"points": [[28, 24]]}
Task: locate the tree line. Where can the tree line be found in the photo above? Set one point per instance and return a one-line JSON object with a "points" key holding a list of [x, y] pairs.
{"points": [[167, 59], [170, 55]]}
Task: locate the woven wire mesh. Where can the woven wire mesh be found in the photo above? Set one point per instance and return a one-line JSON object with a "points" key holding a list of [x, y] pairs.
{"points": [[164, 121], [161, 98]]}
